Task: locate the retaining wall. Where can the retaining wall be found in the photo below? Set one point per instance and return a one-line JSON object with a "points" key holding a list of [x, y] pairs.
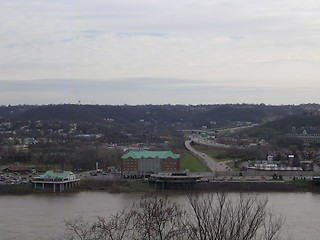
{"points": [[257, 186]]}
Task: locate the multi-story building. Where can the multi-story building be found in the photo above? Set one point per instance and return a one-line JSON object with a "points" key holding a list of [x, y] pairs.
{"points": [[135, 164]]}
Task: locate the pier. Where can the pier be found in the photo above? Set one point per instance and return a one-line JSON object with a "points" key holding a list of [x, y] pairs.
{"points": [[56, 180]]}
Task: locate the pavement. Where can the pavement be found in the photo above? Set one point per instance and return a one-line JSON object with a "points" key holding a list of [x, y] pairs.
{"points": [[97, 176], [213, 165], [208, 142]]}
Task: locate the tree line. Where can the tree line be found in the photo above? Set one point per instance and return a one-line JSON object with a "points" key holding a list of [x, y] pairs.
{"points": [[191, 116]]}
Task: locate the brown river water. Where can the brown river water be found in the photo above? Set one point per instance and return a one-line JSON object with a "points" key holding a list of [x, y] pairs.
{"points": [[41, 216]]}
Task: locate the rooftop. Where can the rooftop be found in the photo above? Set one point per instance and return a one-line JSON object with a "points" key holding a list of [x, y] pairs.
{"points": [[150, 154], [56, 174]]}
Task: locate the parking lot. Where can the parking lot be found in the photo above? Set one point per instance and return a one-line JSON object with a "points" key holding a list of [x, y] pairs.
{"points": [[98, 175], [15, 178]]}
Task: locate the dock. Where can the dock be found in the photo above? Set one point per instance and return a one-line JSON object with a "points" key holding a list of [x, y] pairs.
{"points": [[58, 181]]}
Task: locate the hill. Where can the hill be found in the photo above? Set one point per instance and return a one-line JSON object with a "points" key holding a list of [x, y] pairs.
{"points": [[188, 116]]}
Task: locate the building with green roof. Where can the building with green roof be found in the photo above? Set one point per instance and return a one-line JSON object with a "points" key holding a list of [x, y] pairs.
{"points": [[57, 180], [58, 175], [150, 154], [135, 164]]}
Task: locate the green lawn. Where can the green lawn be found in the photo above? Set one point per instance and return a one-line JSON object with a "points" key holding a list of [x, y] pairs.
{"points": [[192, 163], [231, 165]]}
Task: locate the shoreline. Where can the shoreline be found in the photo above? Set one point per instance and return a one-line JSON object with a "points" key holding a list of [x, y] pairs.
{"points": [[267, 186], [127, 186]]}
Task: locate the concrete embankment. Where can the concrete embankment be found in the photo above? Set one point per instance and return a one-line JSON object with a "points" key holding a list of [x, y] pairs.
{"points": [[259, 186], [142, 186], [16, 188], [113, 186]]}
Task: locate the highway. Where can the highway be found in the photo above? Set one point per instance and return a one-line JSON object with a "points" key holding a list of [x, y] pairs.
{"points": [[208, 142], [210, 162]]}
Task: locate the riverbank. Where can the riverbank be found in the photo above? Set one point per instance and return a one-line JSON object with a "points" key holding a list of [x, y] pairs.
{"points": [[115, 186], [279, 186], [111, 186], [127, 186], [19, 189]]}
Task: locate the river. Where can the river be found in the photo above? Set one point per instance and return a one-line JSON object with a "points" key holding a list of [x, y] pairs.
{"points": [[41, 216]]}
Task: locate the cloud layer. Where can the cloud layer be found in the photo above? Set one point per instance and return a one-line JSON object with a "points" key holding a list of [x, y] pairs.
{"points": [[246, 44]]}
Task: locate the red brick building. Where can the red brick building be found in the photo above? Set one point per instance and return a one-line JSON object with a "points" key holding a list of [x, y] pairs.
{"points": [[143, 163]]}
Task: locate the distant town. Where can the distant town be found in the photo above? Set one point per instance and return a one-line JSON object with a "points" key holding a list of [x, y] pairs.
{"points": [[56, 146]]}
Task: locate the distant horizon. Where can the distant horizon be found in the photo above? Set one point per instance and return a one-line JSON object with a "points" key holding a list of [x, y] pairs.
{"points": [[141, 91], [159, 52], [165, 104]]}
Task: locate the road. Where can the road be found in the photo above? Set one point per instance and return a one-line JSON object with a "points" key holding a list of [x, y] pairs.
{"points": [[234, 129], [208, 142], [211, 163]]}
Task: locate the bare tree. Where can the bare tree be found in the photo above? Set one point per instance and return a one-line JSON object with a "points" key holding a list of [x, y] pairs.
{"points": [[220, 217], [118, 227], [78, 228], [205, 217], [156, 217]]}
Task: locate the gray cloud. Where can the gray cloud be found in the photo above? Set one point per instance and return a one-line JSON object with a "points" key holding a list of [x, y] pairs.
{"points": [[226, 49]]}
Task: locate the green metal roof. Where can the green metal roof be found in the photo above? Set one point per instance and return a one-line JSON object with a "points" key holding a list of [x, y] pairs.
{"points": [[55, 174], [150, 154]]}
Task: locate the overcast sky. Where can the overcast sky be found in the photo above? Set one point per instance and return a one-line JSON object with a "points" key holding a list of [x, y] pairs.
{"points": [[159, 51]]}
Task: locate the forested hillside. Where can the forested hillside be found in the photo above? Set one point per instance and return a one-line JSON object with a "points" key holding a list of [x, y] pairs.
{"points": [[187, 115]]}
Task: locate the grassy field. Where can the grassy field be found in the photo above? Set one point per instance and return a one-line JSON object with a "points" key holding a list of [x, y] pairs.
{"points": [[232, 166], [192, 163]]}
